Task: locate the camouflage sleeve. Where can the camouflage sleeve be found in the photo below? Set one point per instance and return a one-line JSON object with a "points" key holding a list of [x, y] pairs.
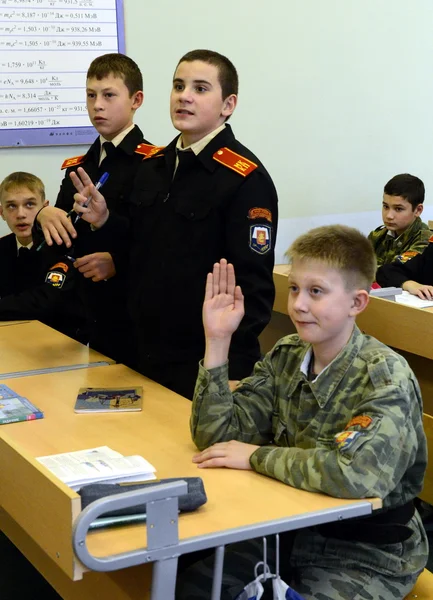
{"points": [[418, 246], [369, 457], [375, 238], [245, 415]]}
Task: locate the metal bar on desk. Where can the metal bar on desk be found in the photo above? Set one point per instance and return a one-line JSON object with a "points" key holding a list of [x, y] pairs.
{"points": [[46, 370]]}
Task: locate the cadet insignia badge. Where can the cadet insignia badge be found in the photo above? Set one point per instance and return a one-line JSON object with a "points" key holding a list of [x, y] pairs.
{"points": [[344, 439], [260, 238], [241, 165], [55, 278], [73, 162], [406, 256], [361, 420]]}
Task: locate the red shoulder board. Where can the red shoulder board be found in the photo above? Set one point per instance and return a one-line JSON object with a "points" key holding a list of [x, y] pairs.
{"points": [[148, 150], [73, 162], [234, 161], [431, 239]]}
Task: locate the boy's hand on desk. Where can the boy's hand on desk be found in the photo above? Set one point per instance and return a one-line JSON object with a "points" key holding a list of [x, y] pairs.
{"points": [[418, 289], [233, 454], [56, 226], [96, 212], [98, 266]]}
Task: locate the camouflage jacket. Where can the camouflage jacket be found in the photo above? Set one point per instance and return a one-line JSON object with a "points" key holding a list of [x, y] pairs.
{"points": [[411, 242], [355, 431]]}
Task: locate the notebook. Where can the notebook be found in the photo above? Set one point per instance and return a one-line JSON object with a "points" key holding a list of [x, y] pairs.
{"points": [[15, 408], [114, 400]]}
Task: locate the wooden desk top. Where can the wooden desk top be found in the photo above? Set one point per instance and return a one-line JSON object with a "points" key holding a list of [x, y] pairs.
{"points": [[32, 345], [160, 433]]}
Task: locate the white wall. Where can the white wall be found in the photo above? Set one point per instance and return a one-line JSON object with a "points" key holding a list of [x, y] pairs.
{"points": [[335, 96]]}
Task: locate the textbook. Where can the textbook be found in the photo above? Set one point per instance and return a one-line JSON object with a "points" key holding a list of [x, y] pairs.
{"points": [[94, 465], [96, 400], [15, 408]]}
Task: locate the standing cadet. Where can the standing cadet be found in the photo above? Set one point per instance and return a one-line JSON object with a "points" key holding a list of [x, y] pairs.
{"points": [[203, 196], [114, 93]]}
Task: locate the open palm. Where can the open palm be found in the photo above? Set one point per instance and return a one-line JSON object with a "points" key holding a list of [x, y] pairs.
{"points": [[223, 307]]}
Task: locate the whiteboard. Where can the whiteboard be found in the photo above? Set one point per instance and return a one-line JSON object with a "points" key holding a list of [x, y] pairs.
{"points": [[46, 47]]}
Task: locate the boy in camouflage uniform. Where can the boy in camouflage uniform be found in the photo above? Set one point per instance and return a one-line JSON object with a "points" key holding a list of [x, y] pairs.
{"points": [[403, 234], [327, 410]]}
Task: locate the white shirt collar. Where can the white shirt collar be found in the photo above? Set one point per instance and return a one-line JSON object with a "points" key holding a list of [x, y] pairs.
{"points": [[21, 245], [115, 141], [197, 147]]}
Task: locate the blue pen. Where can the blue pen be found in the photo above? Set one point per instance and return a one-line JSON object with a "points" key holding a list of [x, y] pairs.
{"points": [[100, 183]]}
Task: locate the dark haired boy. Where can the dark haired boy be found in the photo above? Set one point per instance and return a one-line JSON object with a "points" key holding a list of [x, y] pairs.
{"points": [[114, 92], [202, 196], [327, 410], [403, 235]]}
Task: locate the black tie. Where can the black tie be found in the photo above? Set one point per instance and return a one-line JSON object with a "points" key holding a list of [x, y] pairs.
{"points": [[186, 160], [23, 252], [109, 148]]}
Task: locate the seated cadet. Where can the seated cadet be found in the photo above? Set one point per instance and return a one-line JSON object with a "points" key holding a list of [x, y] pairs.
{"points": [[202, 197], [31, 286], [403, 235], [114, 92], [328, 410]]}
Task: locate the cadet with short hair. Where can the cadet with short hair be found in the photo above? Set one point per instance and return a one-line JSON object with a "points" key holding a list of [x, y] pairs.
{"points": [[114, 87], [202, 197], [403, 235], [327, 410]]}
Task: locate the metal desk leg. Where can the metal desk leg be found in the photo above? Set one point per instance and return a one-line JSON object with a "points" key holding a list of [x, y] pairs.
{"points": [[164, 579], [217, 573]]}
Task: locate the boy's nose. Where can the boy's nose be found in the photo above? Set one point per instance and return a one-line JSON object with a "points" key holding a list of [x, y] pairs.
{"points": [[300, 303], [185, 95]]}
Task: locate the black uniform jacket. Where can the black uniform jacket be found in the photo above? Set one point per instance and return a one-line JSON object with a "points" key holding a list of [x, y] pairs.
{"points": [[25, 294], [419, 269], [106, 300], [180, 227]]}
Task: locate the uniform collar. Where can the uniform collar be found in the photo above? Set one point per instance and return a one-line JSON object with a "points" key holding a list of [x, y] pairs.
{"points": [[29, 246], [197, 147], [407, 233], [119, 138], [327, 382]]}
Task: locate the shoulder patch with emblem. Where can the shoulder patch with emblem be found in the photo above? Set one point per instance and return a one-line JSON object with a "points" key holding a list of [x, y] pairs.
{"points": [[406, 256], [260, 213], [361, 420], [234, 161], [73, 162], [344, 439], [55, 278], [260, 238], [148, 150]]}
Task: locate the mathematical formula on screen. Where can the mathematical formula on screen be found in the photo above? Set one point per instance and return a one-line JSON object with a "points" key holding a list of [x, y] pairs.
{"points": [[46, 47]]}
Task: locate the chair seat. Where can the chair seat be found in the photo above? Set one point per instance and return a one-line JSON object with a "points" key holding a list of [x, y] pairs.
{"points": [[423, 589]]}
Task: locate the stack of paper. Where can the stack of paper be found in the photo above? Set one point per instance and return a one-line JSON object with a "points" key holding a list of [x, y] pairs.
{"points": [[411, 300], [97, 465]]}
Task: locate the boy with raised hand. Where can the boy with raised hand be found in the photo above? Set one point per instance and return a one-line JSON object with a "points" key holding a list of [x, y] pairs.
{"points": [[203, 196], [114, 93], [327, 410], [26, 275], [403, 235]]}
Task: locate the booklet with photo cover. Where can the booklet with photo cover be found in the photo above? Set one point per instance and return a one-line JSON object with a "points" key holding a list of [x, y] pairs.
{"points": [[15, 408], [96, 400]]}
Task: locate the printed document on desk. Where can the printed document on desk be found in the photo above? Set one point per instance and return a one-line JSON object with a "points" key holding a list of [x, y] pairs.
{"points": [[97, 465], [411, 300]]}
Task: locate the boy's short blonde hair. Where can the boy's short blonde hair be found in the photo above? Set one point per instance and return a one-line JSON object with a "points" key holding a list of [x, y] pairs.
{"points": [[339, 247], [21, 179]]}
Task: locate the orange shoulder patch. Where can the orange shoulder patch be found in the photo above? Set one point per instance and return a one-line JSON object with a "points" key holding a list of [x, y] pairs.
{"points": [[362, 420], [235, 161], [73, 162], [430, 238], [148, 150]]}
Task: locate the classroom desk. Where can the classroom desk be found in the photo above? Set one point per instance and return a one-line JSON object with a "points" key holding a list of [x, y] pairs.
{"points": [[37, 511], [406, 329], [29, 348]]}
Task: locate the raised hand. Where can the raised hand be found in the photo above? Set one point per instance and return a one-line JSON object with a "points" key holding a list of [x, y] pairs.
{"points": [[96, 211], [56, 226], [223, 307]]}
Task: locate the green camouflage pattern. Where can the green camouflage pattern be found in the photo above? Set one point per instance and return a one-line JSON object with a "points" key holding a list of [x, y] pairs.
{"points": [[355, 431], [411, 242], [299, 423]]}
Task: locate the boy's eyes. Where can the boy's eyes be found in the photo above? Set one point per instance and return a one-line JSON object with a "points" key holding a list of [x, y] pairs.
{"points": [[315, 291]]}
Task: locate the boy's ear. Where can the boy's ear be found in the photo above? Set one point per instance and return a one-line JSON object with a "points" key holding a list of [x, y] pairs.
{"points": [[1, 213], [360, 300], [418, 210], [46, 202], [137, 100], [229, 105]]}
